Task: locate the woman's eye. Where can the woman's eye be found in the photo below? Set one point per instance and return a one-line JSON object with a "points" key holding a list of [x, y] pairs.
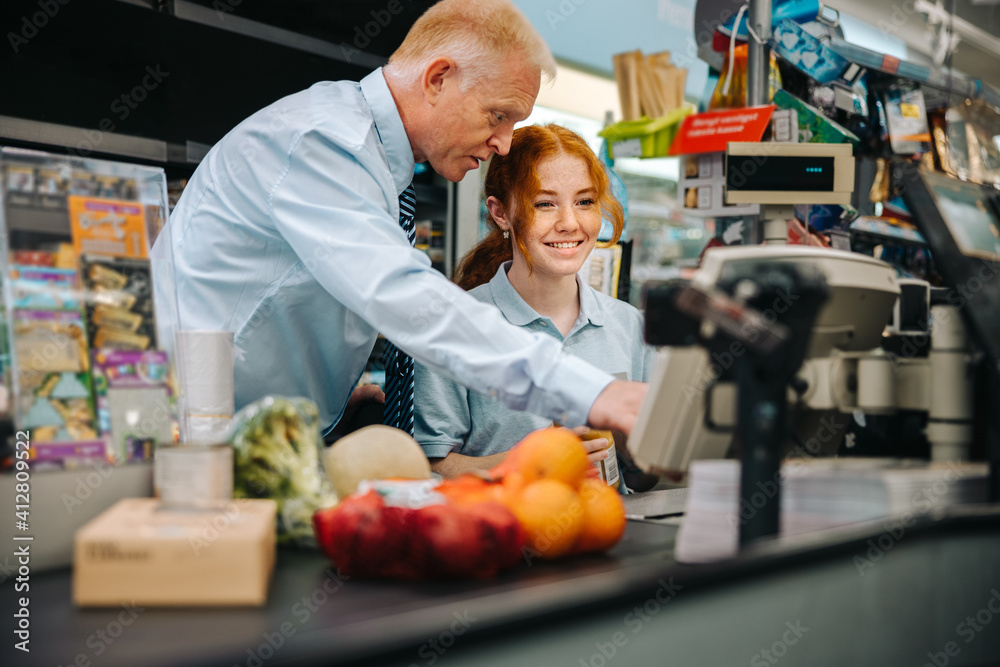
{"points": [[543, 204], [586, 202]]}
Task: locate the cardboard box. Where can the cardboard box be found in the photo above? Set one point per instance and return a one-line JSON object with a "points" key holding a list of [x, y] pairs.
{"points": [[137, 552]]}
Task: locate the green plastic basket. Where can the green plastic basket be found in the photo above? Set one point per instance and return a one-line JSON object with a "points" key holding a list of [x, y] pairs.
{"points": [[645, 137]]}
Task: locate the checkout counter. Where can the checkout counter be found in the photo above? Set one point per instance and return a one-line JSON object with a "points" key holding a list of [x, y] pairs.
{"points": [[797, 601]]}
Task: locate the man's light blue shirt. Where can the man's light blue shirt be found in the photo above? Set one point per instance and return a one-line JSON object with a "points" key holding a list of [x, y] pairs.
{"points": [[449, 418], [288, 235]]}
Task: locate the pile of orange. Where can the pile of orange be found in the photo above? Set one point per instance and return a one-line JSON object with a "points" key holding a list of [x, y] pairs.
{"points": [[543, 481]]}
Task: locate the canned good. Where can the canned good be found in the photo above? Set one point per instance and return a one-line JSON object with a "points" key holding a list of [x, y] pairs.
{"points": [[607, 465]]}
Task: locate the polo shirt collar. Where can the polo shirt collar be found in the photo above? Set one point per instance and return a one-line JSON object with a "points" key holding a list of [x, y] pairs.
{"points": [[589, 308], [390, 128], [519, 313]]}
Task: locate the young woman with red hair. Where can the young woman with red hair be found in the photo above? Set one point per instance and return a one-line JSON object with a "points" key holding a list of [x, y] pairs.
{"points": [[546, 200]]}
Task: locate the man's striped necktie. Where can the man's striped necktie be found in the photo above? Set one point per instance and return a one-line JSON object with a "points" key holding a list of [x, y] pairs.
{"points": [[399, 365]]}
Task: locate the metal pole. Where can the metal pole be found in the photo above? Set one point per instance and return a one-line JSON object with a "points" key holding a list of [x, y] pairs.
{"points": [[759, 55]]}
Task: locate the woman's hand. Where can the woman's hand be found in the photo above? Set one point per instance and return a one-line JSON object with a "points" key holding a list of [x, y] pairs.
{"points": [[595, 449]]}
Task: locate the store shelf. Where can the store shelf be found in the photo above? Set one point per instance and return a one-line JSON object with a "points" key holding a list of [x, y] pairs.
{"points": [[343, 52], [70, 84], [936, 78]]}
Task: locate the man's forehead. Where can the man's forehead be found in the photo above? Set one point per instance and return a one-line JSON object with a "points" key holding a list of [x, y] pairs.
{"points": [[514, 91]]}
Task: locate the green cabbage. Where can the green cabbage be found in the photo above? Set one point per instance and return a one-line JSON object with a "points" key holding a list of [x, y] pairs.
{"points": [[277, 446]]}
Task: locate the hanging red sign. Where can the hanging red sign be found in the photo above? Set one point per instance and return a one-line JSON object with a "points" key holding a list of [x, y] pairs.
{"points": [[710, 132]]}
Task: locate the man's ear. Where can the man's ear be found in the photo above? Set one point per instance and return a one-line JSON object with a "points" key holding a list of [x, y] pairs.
{"points": [[437, 76]]}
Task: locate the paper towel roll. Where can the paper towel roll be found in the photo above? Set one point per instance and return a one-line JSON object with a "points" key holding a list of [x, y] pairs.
{"points": [[205, 373]]}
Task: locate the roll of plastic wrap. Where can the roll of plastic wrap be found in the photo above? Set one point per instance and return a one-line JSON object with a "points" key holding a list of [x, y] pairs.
{"points": [[205, 372], [193, 475], [202, 429]]}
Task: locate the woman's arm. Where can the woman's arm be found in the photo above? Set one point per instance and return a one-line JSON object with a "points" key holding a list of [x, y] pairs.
{"points": [[455, 464]]}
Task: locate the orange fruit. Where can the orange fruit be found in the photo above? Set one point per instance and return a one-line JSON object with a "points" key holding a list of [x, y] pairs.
{"points": [[469, 489], [551, 515], [603, 516], [548, 453]]}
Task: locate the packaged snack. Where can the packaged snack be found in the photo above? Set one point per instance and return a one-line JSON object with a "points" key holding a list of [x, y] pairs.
{"points": [[134, 403], [120, 306], [116, 318], [120, 340]]}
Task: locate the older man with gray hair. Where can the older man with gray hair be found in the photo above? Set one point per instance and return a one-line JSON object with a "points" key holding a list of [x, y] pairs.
{"points": [[291, 234]]}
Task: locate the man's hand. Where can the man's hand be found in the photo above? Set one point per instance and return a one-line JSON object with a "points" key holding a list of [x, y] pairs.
{"points": [[363, 394], [361, 398], [617, 406]]}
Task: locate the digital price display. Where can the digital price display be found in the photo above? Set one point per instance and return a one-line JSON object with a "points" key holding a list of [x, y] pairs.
{"points": [[772, 173]]}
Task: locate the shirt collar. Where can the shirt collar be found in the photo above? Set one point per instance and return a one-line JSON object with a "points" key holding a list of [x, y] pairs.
{"points": [[590, 310], [390, 128], [518, 312]]}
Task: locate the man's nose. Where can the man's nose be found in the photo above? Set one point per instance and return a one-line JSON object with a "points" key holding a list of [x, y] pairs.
{"points": [[500, 140]]}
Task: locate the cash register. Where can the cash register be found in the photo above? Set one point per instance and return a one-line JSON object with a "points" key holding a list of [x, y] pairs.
{"points": [[761, 328]]}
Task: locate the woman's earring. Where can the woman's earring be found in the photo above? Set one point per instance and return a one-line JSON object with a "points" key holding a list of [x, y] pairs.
{"points": [[506, 234]]}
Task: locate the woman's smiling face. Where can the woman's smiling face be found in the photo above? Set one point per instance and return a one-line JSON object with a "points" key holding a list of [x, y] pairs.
{"points": [[567, 217]]}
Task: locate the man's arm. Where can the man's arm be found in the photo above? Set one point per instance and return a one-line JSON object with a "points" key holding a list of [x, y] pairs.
{"points": [[455, 464], [360, 255]]}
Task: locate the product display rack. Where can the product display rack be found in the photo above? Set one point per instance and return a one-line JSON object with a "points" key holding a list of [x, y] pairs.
{"points": [[77, 283]]}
